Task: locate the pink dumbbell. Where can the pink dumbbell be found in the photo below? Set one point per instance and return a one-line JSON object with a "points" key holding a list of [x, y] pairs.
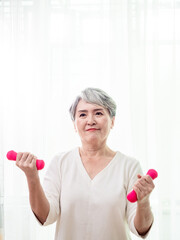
{"points": [[11, 155], [132, 196]]}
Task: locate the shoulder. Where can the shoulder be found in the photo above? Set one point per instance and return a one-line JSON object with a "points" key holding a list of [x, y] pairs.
{"points": [[128, 163], [60, 158], [126, 159]]}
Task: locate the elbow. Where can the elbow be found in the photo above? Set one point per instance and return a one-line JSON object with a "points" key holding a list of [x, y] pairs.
{"points": [[41, 219], [144, 226]]}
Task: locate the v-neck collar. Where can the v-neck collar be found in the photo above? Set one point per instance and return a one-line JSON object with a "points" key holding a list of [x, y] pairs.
{"points": [[85, 173]]}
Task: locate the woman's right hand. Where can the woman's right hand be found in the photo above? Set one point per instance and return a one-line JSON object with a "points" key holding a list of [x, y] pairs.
{"points": [[27, 163], [39, 203]]}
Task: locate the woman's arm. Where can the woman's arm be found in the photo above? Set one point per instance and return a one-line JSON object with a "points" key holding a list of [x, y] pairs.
{"points": [[38, 201], [144, 218]]}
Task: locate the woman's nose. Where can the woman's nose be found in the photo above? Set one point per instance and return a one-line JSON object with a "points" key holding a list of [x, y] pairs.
{"points": [[91, 120]]}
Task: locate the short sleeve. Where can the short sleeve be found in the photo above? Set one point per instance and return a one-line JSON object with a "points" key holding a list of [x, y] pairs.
{"points": [[131, 207], [52, 189]]}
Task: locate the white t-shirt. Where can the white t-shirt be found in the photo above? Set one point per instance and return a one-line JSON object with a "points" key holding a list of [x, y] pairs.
{"points": [[91, 209]]}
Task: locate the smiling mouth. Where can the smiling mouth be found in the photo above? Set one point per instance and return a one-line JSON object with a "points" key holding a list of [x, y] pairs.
{"points": [[92, 129]]}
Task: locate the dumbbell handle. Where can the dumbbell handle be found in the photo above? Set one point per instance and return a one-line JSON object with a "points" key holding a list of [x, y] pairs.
{"points": [[11, 155], [132, 196]]}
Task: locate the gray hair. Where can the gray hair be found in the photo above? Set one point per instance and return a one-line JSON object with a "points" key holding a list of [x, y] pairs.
{"points": [[94, 96]]}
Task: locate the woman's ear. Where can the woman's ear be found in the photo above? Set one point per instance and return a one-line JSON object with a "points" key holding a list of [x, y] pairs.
{"points": [[112, 124], [74, 126]]}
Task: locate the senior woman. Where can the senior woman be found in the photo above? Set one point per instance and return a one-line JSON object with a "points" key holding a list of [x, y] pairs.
{"points": [[85, 189]]}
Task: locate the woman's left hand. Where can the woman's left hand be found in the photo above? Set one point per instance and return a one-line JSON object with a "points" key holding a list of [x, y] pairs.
{"points": [[143, 187]]}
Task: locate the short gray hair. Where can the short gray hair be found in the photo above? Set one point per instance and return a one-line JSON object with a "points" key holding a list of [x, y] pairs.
{"points": [[94, 96]]}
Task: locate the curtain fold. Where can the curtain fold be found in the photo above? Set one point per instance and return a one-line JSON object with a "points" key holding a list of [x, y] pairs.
{"points": [[51, 50]]}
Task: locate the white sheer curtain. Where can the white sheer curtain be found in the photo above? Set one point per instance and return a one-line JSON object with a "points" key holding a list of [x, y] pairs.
{"points": [[51, 50]]}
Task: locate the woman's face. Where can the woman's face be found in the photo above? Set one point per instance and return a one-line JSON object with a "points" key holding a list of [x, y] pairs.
{"points": [[92, 122]]}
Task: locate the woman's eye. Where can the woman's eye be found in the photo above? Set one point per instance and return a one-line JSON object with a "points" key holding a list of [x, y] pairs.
{"points": [[82, 114], [99, 113]]}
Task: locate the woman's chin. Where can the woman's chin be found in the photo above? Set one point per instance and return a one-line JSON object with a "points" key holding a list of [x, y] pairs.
{"points": [[94, 140]]}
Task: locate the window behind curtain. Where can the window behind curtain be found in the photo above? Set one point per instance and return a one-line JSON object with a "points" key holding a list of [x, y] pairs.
{"points": [[52, 49]]}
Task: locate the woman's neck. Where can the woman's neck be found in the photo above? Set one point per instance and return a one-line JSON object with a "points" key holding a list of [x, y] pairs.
{"points": [[95, 151]]}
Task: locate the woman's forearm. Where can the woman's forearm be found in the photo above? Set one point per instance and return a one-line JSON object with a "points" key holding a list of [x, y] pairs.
{"points": [[144, 218], [38, 201]]}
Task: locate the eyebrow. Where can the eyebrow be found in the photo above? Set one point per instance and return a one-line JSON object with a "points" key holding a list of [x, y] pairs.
{"points": [[97, 109]]}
